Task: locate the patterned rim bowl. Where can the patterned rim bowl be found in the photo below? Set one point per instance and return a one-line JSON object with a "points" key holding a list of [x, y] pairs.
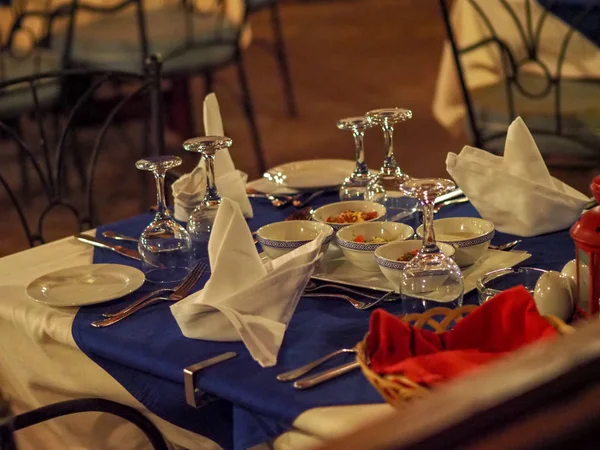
{"points": [[279, 238], [470, 236], [362, 254], [387, 256], [333, 209]]}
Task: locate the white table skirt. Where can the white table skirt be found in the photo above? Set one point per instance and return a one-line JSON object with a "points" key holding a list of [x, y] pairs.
{"points": [[40, 364], [483, 67]]}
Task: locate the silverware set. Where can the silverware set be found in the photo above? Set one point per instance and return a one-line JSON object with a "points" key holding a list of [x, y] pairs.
{"points": [[321, 377], [176, 294], [299, 200]]}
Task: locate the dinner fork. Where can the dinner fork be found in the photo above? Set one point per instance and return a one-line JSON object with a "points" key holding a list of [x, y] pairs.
{"points": [[198, 267], [179, 293], [356, 303], [311, 287]]}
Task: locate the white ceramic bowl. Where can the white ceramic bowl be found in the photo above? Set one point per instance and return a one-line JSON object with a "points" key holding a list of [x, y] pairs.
{"points": [[361, 254], [324, 212], [387, 256], [280, 238], [469, 235]]}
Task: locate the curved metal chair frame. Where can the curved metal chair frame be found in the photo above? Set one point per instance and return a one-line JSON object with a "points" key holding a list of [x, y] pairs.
{"points": [[60, 409], [529, 33], [78, 5], [50, 167]]}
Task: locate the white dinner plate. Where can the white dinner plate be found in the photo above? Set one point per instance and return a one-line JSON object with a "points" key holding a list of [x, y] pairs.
{"points": [[85, 285], [311, 174]]}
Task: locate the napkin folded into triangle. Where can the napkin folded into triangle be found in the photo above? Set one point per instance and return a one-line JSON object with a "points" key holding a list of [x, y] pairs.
{"points": [[189, 190], [516, 191], [246, 299]]}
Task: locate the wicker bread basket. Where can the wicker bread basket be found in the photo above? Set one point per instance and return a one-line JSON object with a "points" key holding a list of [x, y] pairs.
{"points": [[398, 389]]}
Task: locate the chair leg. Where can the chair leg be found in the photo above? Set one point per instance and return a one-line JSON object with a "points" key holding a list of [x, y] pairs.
{"points": [[249, 110], [180, 115], [77, 159], [208, 83], [284, 68]]}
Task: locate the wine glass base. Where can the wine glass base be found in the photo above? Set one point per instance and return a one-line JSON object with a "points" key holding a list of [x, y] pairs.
{"points": [[412, 305], [166, 275]]}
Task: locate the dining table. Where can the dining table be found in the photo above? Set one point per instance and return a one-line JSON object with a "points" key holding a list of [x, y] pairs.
{"points": [[483, 67], [51, 354]]}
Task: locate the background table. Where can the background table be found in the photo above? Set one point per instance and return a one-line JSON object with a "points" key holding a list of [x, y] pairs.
{"points": [[40, 362], [483, 66]]}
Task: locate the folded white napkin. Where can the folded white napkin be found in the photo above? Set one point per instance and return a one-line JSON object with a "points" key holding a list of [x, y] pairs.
{"points": [[246, 299], [189, 190], [516, 192]]}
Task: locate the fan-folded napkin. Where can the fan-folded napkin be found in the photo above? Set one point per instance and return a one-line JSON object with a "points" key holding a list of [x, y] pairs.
{"points": [[189, 190], [516, 191], [246, 299]]}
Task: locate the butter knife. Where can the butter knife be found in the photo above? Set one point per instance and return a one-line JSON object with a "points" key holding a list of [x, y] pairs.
{"points": [[308, 382], [129, 253]]}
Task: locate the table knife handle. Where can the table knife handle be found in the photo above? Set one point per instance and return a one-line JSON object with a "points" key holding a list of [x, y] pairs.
{"points": [[327, 375], [92, 240]]}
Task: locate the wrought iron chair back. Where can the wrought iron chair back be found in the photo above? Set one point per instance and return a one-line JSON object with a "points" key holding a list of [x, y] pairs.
{"points": [[77, 6], [48, 160], [515, 59], [9, 424], [226, 38]]}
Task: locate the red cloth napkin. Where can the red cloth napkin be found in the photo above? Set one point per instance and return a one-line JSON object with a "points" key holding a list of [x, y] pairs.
{"points": [[503, 324]]}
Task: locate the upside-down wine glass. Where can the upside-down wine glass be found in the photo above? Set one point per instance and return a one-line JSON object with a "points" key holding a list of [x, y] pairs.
{"points": [[355, 184], [164, 245], [431, 278], [384, 187], [202, 218]]}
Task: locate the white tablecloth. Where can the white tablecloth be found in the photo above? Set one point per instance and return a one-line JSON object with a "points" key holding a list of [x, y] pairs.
{"points": [[483, 67], [41, 364]]}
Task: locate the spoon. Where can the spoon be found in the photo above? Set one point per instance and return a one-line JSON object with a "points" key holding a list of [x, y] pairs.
{"points": [[506, 247], [118, 236]]}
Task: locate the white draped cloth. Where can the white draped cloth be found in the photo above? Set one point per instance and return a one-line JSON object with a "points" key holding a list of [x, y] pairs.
{"points": [[40, 364]]}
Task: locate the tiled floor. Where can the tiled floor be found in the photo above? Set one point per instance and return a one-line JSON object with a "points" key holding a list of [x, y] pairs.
{"points": [[346, 57]]}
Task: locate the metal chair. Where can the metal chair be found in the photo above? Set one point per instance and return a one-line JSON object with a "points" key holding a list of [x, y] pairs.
{"points": [[9, 424], [254, 6], [190, 42], [563, 113], [48, 161]]}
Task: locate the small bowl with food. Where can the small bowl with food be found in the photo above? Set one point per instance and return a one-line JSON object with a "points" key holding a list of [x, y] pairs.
{"points": [[358, 242], [393, 257], [279, 238], [470, 236], [342, 214]]}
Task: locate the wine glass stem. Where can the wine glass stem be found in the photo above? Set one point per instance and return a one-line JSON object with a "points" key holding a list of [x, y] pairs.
{"points": [[389, 163], [159, 177], [211, 187], [429, 245], [359, 142]]}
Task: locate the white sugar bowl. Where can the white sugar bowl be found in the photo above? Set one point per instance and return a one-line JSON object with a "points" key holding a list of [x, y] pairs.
{"points": [[553, 295]]}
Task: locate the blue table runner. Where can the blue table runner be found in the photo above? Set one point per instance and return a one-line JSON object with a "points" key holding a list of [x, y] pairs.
{"points": [[147, 353]]}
